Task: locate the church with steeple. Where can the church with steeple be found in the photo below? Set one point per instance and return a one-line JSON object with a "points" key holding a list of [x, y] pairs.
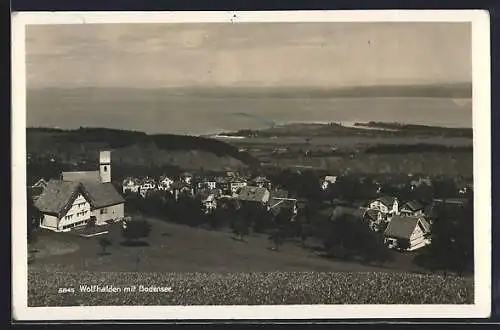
{"points": [[77, 197]]}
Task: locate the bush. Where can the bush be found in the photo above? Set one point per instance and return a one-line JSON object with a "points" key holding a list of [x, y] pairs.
{"points": [[278, 237], [104, 243], [349, 237], [241, 228], [136, 229]]}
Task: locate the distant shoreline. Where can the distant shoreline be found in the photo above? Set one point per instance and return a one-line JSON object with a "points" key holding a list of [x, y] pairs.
{"points": [[234, 135], [354, 125], [462, 90]]}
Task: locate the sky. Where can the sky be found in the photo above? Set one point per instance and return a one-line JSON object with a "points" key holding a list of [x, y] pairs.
{"points": [[323, 55]]}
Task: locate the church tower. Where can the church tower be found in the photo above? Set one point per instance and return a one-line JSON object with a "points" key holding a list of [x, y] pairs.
{"points": [[105, 166]]}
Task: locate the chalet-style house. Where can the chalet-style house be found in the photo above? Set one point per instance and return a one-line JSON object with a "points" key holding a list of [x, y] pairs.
{"points": [[231, 174], [147, 185], [374, 219], [78, 196], [388, 206], [412, 208], [420, 182], [466, 188], [235, 185], [261, 182], [407, 233], [327, 181], [253, 194], [207, 184], [187, 178], [181, 188], [208, 200], [165, 183], [131, 185]]}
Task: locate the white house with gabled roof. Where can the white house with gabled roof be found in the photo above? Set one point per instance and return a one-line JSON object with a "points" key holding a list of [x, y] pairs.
{"points": [[75, 198]]}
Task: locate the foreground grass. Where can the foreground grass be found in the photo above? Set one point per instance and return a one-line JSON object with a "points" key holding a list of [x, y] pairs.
{"points": [[249, 288]]}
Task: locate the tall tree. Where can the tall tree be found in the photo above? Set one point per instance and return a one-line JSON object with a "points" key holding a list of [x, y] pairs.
{"points": [[33, 217], [452, 239], [347, 237]]}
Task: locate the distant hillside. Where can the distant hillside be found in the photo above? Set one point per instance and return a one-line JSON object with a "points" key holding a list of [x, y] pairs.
{"points": [[458, 90], [130, 147], [375, 129]]}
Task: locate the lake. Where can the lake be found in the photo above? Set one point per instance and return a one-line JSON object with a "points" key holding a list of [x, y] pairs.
{"points": [[157, 112]]}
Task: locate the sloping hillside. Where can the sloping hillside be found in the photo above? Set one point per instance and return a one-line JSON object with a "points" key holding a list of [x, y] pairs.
{"points": [[189, 152]]}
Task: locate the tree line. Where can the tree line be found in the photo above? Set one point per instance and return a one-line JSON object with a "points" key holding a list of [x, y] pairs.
{"points": [[114, 138]]}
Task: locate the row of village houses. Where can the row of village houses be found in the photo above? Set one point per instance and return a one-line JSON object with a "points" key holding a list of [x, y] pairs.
{"points": [[227, 185], [77, 197], [405, 224]]}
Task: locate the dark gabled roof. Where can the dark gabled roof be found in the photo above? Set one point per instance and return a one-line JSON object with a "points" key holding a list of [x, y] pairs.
{"points": [[88, 176], [57, 196], [102, 194], [133, 181], [330, 178], [278, 193], [179, 185], [252, 194], [261, 179], [36, 191], [237, 180], [40, 183], [276, 206], [413, 205], [403, 226], [372, 214], [386, 200]]}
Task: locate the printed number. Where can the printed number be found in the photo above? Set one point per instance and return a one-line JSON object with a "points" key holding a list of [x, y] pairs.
{"points": [[66, 290]]}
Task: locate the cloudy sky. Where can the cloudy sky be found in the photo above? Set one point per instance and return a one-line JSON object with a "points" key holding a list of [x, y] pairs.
{"points": [[272, 54]]}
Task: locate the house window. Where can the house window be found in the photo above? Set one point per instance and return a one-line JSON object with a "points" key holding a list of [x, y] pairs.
{"points": [[104, 211], [391, 242], [105, 168]]}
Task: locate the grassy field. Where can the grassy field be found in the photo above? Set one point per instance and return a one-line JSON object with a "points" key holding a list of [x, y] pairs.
{"points": [[427, 151], [447, 164], [223, 270], [248, 288]]}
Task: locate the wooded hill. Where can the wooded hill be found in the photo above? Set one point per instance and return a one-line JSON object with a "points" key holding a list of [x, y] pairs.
{"points": [[135, 147]]}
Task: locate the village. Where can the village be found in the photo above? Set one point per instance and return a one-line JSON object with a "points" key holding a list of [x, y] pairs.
{"points": [[88, 202]]}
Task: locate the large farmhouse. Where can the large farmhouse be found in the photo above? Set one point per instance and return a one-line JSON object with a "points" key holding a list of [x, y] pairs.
{"points": [[78, 196]]}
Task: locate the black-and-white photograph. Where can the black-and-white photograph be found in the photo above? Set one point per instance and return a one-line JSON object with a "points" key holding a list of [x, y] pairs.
{"points": [[224, 162]]}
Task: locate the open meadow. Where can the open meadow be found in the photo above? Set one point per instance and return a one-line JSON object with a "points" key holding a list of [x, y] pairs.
{"points": [[205, 267], [424, 150]]}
